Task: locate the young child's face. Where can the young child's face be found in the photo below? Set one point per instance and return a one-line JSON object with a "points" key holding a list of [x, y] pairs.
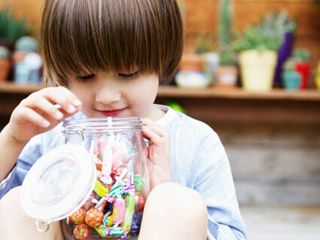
{"points": [[116, 94]]}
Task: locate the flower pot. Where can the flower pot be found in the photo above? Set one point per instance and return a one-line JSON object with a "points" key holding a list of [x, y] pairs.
{"points": [[226, 76], [317, 77], [5, 65], [191, 62], [257, 69], [283, 53], [192, 79], [304, 69], [291, 80]]}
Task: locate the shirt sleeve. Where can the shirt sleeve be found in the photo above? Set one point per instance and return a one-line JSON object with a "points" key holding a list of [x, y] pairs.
{"points": [[214, 182], [35, 148], [31, 152]]}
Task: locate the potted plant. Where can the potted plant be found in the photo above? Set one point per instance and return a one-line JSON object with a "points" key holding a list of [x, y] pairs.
{"points": [[317, 76], [290, 77], [257, 57], [23, 47], [280, 23], [11, 29], [226, 73], [5, 63], [193, 70], [302, 57]]}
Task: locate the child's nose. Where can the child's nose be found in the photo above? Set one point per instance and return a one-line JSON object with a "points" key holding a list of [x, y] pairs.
{"points": [[107, 94]]}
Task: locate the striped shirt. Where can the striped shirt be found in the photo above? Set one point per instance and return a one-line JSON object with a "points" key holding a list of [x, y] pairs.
{"points": [[198, 161]]}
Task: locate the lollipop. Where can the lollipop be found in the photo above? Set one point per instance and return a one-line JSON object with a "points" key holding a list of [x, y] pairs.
{"points": [[79, 216], [82, 232], [94, 217]]}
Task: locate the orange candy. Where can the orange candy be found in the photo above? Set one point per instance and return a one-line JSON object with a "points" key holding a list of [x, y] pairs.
{"points": [[82, 232], [94, 217], [79, 216]]}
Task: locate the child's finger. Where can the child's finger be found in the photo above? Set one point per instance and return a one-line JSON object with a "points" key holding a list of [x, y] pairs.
{"points": [[43, 106], [28, 114], [155, 127], [54, 95], [68, 101], [64, 98]]}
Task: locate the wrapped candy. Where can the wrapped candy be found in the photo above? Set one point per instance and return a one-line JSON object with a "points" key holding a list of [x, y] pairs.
{"points": [[140, 203], [129, 209], [79, 216], [118, 210]]}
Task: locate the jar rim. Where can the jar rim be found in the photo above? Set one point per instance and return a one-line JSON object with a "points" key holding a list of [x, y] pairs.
{"points": [[103, 124]]}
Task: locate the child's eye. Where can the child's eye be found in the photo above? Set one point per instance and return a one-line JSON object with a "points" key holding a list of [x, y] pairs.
{"points": [[85, 78], [129, 76]]}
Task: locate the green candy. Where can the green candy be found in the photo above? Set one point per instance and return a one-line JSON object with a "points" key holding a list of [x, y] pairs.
{"points": [[138, 181]]}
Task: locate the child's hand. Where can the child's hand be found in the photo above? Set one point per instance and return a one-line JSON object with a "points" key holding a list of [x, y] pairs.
{"points": [[158, 153], [42, 111]]}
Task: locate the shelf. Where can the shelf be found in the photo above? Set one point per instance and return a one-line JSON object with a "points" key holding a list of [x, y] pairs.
{"points": [[11, 87], [209, 92], [238, 93], [212, 104]]}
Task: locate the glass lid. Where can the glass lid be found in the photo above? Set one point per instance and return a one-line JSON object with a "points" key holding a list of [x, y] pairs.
{"points": [[58, 183]]}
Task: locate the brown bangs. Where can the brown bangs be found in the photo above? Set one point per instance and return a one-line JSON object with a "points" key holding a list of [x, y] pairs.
{"points": [[81, 36]]}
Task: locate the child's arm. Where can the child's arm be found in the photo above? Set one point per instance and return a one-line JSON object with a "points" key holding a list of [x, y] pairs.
{"points": [[38, 113], [158, 153]]}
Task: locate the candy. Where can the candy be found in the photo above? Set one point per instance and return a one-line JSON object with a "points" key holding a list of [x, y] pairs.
{"points": [[140, 203], [82, 232], [115, 207], [117, 170], [100, 189], [102, 230], [79, 216], [118, 210], [89, 203], [136, 221], [116, 191], [107, 220], [138, 182], [128, 186], [115, 231], [130, 205], [94, 217]]}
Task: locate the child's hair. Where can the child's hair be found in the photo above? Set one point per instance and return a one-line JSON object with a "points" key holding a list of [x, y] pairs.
{"points": [[81, 36]]}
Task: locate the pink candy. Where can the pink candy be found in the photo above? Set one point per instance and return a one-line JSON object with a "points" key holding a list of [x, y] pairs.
{"points": [[119, 210]]}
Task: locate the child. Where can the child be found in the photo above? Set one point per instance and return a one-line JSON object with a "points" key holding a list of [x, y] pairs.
{"points": [[107, 58]]}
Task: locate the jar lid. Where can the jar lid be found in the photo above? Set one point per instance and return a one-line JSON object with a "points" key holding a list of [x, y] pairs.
{"points": [[59, 183]]}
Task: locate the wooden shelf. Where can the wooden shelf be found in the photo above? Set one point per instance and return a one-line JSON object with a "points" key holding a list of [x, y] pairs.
{"points": [[209, 92], [212, 104], [238, 93]]}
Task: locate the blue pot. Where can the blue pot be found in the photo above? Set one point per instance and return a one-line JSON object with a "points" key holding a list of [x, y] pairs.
{"points": [[291, 80]]}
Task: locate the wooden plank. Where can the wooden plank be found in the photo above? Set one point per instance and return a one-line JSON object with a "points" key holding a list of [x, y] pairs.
{"points": [[282, 194], [236, 110]]}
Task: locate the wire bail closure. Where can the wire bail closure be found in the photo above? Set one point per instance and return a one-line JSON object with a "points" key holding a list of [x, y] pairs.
{"points": [[46, 228], [66, 132]]}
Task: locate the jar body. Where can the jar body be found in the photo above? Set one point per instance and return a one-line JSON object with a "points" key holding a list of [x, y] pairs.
{"points": [[115, 207]]}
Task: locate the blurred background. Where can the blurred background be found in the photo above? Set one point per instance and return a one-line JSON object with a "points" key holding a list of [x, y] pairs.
{"points": [[269, 121]]}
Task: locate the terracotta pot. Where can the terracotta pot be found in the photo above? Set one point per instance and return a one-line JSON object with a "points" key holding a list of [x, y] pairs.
{"points": [[18, 56], [191, 62], [5, 65], [226, 76]]}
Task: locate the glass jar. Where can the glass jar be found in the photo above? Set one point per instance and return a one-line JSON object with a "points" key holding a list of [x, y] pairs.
{"points": [[97, 181]]}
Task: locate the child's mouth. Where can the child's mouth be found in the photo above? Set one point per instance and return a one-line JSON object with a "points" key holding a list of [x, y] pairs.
{"points": [[112, 113]]}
